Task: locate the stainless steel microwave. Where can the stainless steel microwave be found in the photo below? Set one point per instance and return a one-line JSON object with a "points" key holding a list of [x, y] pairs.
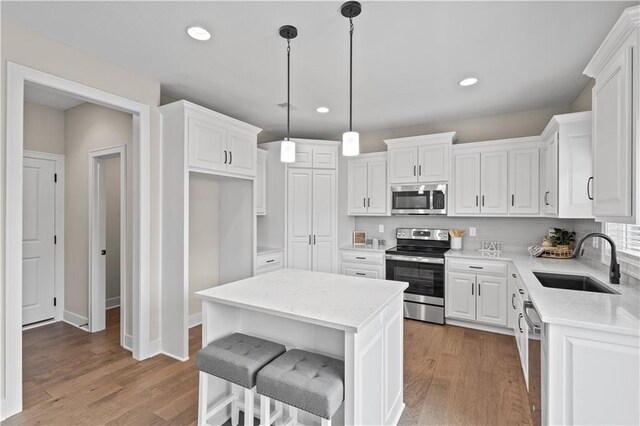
{"points": [[419, 199]]}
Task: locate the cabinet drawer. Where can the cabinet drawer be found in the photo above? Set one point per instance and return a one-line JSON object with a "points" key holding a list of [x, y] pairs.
{"points": [[363, 257], [360, 272], [270, 261], [481, 267]]}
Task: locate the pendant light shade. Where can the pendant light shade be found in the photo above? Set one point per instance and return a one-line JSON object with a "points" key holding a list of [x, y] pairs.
{"points": [[351, 139], [288, 147]]}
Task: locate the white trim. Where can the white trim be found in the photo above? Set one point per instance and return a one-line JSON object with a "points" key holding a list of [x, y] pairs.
{"points": [[39, 324], [113, 302], [17, 76], [155, 347], [59, 169], [479, 326], [128, 342], [195, 319], [75, 319]]}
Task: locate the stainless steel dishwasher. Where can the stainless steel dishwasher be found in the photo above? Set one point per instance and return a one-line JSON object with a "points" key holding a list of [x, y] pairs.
{"points": [[535, 356]]}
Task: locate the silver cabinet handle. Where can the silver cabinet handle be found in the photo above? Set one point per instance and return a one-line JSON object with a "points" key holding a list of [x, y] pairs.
{"points": [[270, 261], [225, 156], [472, 285], [513, 300], [479, 287], [546, 198], [476, 267], [483, 201], [364, 202], [369, 202], [230, 157], [520, 326], [414, 170], [588, 191], [513, 199], [420, 170], [476, 201], [361, 273], [361, 258], [309, 239], [314, 239]]}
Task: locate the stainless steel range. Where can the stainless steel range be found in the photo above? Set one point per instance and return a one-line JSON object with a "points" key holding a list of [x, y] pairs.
{"points": [[418, 259]]}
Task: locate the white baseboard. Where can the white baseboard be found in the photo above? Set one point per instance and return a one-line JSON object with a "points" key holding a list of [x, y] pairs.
{"points": [[114, 302], [155, 348], [195, 319], [128, 342], [478, 326], [75, 319]]}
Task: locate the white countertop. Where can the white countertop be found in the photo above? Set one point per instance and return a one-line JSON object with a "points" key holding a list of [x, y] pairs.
{"points": [[331, 300], [618, 313], [379, 249], [268, 250]]}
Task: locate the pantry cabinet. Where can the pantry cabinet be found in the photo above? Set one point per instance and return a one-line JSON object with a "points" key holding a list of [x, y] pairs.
{"points": [[616, 122], [367, 185], [420, 159]]}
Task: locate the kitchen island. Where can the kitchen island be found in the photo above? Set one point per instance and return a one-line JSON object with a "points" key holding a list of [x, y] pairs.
{"points": [[358, 320]]}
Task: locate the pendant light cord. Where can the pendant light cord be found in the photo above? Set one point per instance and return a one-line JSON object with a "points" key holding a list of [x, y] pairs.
{"points": [[288, 84], [350, 74]]}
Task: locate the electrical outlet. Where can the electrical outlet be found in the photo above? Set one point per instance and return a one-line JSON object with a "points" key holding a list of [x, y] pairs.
{"points": [[380, 228], [472, 231]]}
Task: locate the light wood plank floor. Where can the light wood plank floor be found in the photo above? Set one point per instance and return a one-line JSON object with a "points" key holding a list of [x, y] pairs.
{"points": [[452, 376]]}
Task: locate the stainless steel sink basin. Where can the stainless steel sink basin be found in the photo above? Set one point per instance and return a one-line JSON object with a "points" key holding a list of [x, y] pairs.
{"points": [[571, 282]]}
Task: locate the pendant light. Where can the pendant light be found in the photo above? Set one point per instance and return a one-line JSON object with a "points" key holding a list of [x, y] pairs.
{"points": [[287, 147], [351, 139]]}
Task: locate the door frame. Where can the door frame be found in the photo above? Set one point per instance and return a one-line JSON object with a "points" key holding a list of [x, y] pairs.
{"points": [[17, 76], [97, 224], [58, 248]]}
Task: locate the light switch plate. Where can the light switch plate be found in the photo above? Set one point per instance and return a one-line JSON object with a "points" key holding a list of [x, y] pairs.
{"points": [[472, 231], [380, 228]]}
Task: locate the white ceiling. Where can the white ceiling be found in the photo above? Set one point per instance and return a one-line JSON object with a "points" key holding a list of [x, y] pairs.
{"points": [[46, 96], [409, 56]]}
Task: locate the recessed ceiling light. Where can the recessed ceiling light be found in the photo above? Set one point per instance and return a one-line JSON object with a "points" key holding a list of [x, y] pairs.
{"points": [[468, 81], [198, 33], [322, 110]]}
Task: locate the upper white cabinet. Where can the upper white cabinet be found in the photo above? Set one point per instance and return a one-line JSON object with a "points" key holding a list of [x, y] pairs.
{"points": [[368, 189], [261, 182], [567, 166], [314, 154], [497, 178], [420, 159], [616, 122]]}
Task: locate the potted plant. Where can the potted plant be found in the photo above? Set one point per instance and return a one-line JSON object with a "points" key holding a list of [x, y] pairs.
{"points": [[562, 238]]}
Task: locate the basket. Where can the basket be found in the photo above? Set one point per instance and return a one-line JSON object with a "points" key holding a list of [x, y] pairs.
{"points": [[562, 252]]}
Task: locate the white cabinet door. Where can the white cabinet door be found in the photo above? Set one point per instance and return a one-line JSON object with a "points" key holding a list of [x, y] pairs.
{"points": [[403, 165], [492, 300], [433, 162], [377, 187], [461, 299], [574, 183], [324, 157], [550, 195], [493, 182], [511, 304], [299, 226], [261, 182], [357, 187], [612, 127], [466, 183], [304, 156], [324, 221], [524, 177], [356, 271], [242, 154], [207, 145]]}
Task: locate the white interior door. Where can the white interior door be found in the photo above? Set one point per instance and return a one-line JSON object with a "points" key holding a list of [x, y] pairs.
{"points": [[98, 254], [324, 221], [299, 227], [38, 227]]}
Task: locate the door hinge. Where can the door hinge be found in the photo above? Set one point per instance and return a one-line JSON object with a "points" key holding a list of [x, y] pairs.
{"points": [[55, 178], [55, 239], [55, 301]]}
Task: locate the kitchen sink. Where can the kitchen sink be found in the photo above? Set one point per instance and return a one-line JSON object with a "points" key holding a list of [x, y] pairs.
{"points": [[571, 282]]}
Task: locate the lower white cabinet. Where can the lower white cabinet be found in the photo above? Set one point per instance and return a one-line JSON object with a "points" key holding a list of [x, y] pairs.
{"points": [[479, 297], [269, 261], [362, 263]]}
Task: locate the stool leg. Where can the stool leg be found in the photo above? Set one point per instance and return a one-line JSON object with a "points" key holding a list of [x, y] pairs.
{"points": [[248, 407], [280, 411], [326, 422], [234, 406], [202, 399], [265, 411], [293, 413]]}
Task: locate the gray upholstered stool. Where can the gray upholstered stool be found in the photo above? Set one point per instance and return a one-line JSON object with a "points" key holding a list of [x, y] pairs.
{"points": [[311, 382], [237, 359]]}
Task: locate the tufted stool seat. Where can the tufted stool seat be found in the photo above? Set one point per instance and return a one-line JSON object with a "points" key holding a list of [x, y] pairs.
{"points": [[237, 359], [311, 382]]}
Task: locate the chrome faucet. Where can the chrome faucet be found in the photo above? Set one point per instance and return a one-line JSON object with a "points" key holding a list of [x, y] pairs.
{"points": [[614, 267]]}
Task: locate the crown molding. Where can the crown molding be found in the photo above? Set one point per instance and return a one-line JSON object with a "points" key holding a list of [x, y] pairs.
{"points": [[628, 21]]}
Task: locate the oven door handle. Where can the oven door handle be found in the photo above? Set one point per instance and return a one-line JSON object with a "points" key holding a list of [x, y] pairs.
{"points": [[417, 259]]}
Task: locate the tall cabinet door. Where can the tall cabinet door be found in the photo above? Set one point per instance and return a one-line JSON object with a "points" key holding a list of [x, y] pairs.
{"points": [[493, 181], [524, 177], [403, 165], [299, 225], [324, 221], [466, 183], [460, 298], [612, 126], [357, 187], [377, 187], [492, 299], [207, 145]]}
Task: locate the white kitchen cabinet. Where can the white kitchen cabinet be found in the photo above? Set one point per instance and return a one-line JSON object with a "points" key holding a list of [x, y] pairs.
{"points": [[461, 299], [491, 307], [367, 185], [616, 122], [493, 182], [420, 159], [312, 210], [362, 263], [269, 260], [524, 181], [567, 166], [261, 182], [466, 183], [207, 145], [311, 153]]}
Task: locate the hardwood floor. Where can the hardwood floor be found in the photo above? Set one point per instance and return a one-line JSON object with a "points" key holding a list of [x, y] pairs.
{"points": [[452, 376]]}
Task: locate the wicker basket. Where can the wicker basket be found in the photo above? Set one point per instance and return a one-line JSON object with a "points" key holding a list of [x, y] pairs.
{"points": [[562, 252]]}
